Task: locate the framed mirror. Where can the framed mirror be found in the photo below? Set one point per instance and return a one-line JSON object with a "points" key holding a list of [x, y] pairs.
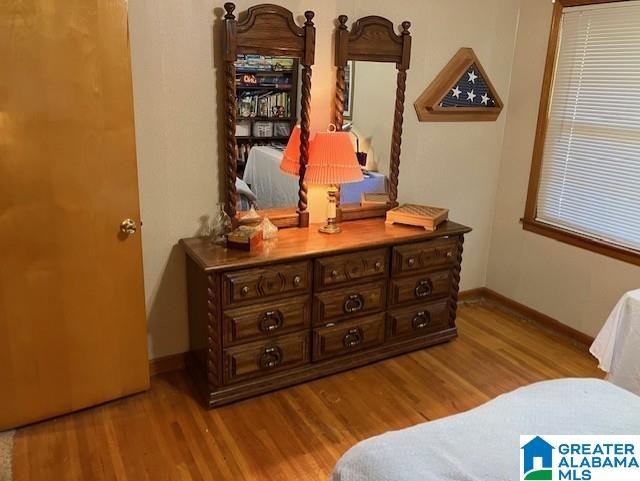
{"points": [[372, 62], [268, 60]]}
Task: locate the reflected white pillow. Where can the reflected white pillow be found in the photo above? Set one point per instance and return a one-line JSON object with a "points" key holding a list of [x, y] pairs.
{"points": [[243, 189]]}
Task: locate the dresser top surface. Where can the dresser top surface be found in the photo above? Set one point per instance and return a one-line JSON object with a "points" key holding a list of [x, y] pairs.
{"points": [[299, 243]]}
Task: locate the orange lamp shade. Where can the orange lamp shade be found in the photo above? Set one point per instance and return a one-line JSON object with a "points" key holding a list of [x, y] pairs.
{"points": [[332, 160], [290, 163]]}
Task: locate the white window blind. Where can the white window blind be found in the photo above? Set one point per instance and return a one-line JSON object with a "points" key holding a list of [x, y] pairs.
{"points": [[590, 177]]}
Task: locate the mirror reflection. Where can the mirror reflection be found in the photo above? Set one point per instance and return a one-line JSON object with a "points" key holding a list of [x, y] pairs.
{"points": [[267, 109], [370, 95]]}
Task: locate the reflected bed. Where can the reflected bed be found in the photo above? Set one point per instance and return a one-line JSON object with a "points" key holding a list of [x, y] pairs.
{"points": [[273, 188]]}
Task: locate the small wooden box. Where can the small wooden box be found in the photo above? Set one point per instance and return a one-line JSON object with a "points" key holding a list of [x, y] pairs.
{"points": [[244, 238], [374, 199], [424, 216]]}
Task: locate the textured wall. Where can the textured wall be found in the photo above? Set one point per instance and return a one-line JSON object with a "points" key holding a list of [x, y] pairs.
{"points": [[175, 91], [573, 285]]}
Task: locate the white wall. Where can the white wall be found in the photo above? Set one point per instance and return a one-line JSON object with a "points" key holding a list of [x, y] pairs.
{"points": [[573, 285], [374, 101], [175, 94], [454, 165]]}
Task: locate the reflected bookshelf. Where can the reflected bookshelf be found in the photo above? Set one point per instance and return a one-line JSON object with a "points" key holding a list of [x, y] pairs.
{"points": [[266, 102]]}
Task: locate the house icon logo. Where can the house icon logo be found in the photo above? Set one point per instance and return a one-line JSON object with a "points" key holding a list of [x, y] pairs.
{"points": [[537, 461]]}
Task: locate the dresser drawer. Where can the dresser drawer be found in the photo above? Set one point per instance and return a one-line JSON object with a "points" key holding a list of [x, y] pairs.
{"points": [[346, 337], [272, 318], [266, 357], [358, 266], [424, 255], [264, 282], [349, 302], [419, 320], [421, 287]]}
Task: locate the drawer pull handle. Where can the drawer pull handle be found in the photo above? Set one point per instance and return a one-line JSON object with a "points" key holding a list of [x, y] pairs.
{"points": [[378, 265], [411, 262], [296, 281], [271, 320], [423, 288], [244, 291], [334, 274], [354, 303], [353, 337], [271, 357], [421, 320]]}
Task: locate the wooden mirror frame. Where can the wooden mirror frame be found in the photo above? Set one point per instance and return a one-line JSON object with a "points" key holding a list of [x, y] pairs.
{"points": [[267, 30], [373, 39]]}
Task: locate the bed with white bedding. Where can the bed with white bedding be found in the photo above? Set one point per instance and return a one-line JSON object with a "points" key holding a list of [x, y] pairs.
{"points": [[483, 444], [273, 188]]}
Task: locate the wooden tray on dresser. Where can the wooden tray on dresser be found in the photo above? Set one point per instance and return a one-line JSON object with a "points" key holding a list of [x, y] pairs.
{"points": [[424, 216], [307, 304]]}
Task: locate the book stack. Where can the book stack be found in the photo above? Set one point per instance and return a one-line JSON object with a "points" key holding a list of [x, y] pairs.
{"points": [[256, 80], [263, 63], [264, 104]]}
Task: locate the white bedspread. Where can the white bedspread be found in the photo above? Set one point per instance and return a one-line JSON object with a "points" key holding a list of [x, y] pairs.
{"points": [[617, 346], [272, 187], [483, 444]]}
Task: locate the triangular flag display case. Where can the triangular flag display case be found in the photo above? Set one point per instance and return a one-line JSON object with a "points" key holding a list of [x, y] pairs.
{"points": [[461, 92]]}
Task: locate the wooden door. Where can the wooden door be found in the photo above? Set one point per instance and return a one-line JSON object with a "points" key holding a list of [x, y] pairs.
{"points": [[72, 319]]}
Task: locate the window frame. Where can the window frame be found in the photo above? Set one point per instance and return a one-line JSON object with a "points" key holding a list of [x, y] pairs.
{"points": [[529, 221]]}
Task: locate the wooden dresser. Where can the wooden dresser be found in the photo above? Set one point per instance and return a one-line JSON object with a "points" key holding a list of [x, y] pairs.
{"points": [[308, 304]]}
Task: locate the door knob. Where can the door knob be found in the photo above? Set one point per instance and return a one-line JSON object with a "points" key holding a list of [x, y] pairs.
{"points": [[128, 226]]}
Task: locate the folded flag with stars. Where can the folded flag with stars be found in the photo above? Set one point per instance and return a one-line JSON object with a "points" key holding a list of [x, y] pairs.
{"points": [[469, 91]]}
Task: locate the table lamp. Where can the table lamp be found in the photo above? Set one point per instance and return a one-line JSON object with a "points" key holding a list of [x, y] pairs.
{"points": [[332, 161], [290, 163]]}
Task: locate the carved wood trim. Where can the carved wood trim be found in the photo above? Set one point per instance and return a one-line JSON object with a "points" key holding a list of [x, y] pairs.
{"points": [[267, 30], [214, 343], [455, 285], [374, 39]]}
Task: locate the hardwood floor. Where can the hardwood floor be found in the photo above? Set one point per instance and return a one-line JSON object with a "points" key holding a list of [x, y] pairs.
{"points": [[296, 433]]}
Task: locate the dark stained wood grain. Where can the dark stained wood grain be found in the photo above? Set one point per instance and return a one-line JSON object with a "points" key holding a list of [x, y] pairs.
{"points": [[346, 337], [265, 320], [241, 287], [246, 299], [264, 357], [373, 39], [425, 255], [420, 287], [339, 270], [294, 244], [300, 432], [267, 29], [421, 319], [349, 302]]}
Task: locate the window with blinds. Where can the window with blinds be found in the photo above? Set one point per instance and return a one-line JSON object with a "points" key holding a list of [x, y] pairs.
{"points": [[590, 176]]}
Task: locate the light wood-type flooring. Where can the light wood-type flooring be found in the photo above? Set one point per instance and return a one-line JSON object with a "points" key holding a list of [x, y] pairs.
{"points": [[296, 433]]}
